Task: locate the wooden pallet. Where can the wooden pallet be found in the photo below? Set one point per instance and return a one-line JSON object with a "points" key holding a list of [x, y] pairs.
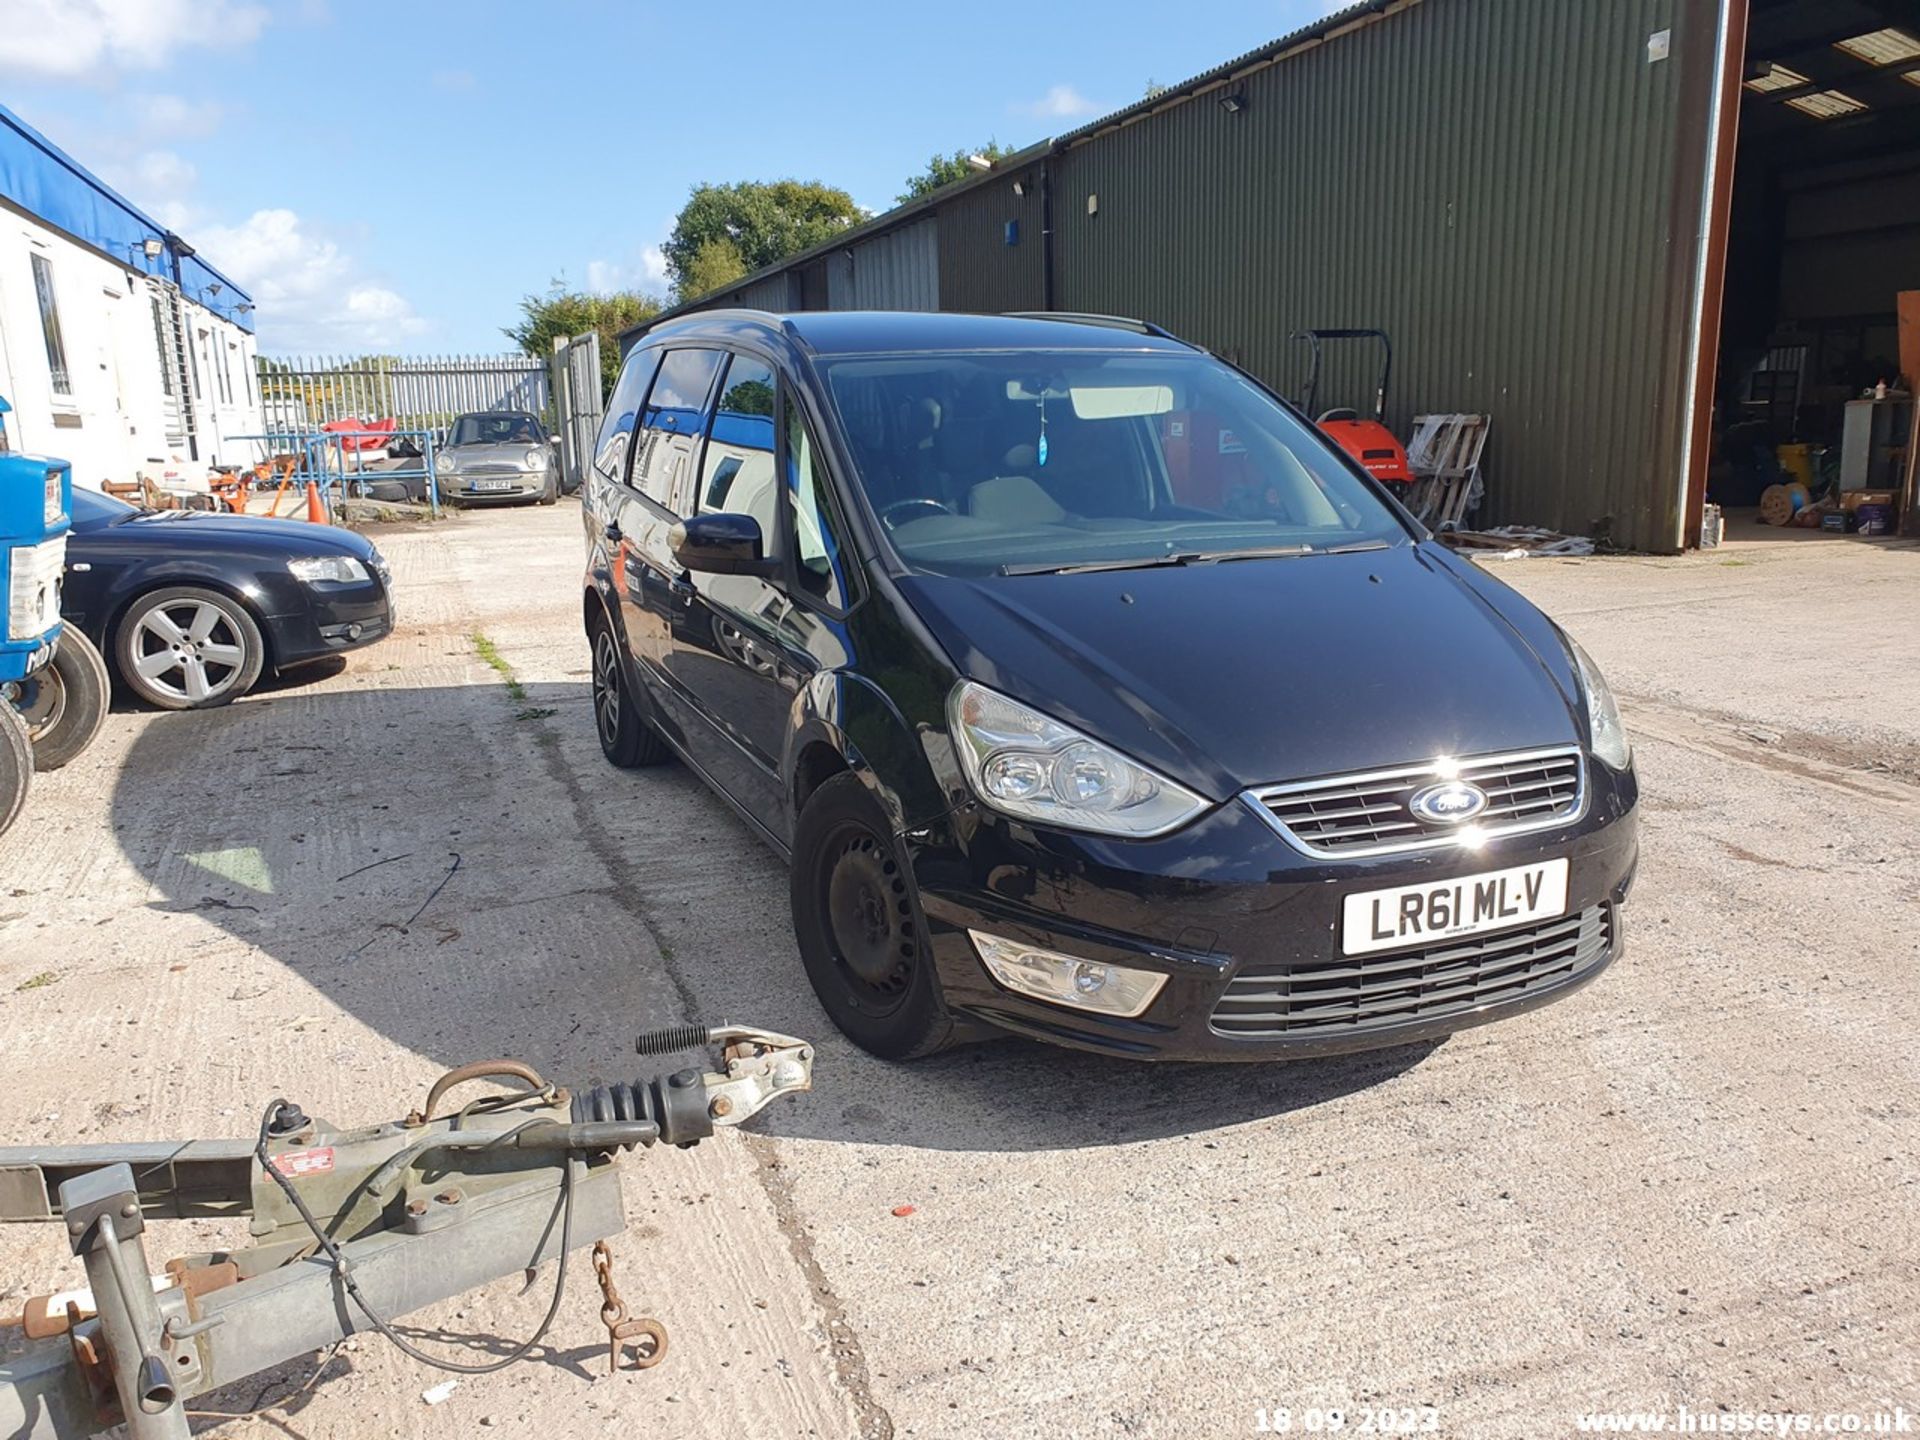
{"points": [[1444, 455]]}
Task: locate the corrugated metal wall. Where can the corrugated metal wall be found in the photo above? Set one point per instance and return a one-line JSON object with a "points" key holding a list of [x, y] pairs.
{"points": [[772, 292], [895, 270], [1505, 185], [979, 271]]}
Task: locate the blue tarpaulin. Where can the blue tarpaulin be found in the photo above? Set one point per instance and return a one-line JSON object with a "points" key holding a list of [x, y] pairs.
{"points": [[46, 182]]}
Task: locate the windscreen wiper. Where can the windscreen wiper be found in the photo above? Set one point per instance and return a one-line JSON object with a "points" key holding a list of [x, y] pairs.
{"points": [[1137, 562], [1194, 557]]}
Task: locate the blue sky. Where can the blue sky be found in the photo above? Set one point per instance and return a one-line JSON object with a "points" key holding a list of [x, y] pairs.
{"points": [[397, 175]]}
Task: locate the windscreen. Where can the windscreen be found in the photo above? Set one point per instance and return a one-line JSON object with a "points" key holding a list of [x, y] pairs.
{"points": [[1029, 461], [496, 430]]}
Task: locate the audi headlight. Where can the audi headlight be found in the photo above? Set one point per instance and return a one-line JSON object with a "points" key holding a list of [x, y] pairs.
{"points": [[1610, 741], [340, 569], [1023, 763]]}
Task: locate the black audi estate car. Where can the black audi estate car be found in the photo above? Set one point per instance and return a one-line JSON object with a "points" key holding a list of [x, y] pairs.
{"points": [[1090, 693]]}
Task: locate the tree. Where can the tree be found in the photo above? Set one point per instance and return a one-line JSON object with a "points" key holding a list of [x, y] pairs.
{"points": [[763, 221], [943, 170], [715, 264], [561, 311]]}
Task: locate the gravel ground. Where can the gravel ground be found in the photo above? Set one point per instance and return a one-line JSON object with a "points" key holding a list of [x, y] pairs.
{"points": [[1692, 1183]]}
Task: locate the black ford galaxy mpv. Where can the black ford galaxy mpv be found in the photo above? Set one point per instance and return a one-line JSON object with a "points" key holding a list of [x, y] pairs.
{"points": [[1091, 694]]}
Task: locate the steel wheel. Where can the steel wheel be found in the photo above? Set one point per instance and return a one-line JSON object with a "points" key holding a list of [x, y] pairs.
{"points": [[188, 648], [64, 702], [16, 766], [864, 946], [869, 917]]}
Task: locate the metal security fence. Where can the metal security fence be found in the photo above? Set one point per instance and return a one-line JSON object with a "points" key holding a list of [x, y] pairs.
{"points": [[299, 394], [579, 404]]}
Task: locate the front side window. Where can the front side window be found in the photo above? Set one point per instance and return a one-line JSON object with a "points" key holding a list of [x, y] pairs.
{"points": [[671, 426], [736, 473], [50, 325], [1048, 460], [623, 413], [818, 551]]}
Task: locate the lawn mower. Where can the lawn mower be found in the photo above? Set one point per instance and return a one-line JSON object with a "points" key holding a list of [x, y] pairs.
{"points": [[1368, 441], [53, 683]]}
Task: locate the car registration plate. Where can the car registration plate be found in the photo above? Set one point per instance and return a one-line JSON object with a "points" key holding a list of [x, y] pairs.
{"points": [[493, 484], [1408, 915]]}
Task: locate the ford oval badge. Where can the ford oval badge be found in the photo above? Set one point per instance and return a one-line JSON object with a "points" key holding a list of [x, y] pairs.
{"points": [[1448, 803]]}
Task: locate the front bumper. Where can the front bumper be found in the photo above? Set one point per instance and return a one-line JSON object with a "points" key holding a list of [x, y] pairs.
{"points": [[529, 485], [336, 619], [1227, 898]]}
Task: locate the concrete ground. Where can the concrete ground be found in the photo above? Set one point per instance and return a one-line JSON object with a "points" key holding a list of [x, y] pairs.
{"points": [[1692, 1183]]}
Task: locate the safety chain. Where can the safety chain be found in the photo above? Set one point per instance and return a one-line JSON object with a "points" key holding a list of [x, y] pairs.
{"points": [[646, 1338]]}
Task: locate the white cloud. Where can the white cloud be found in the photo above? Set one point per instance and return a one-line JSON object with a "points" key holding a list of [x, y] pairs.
{"points": [[648, 274], [309, 294], [171, 117], [160, 177], [84, 39], [1062, 102]]}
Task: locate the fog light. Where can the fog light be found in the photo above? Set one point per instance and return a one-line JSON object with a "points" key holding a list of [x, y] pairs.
{"points": [[1067, 979]]}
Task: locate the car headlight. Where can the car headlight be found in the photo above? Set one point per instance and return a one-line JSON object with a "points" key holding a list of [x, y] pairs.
{"points": [[340, 569], [1610, 741], [445, 464], [1023, 763], [536, 459]]}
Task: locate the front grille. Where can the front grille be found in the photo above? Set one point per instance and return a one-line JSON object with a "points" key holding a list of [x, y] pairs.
{"points": [[492, 471], [1368, 814], [1451, 978], [33, 587]]}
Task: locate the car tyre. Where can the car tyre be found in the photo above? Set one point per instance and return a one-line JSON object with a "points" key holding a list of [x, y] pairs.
{"points": [[858, 924], [551, 495], [66, 701], [216, 649], [627, 737], [16, 765]]}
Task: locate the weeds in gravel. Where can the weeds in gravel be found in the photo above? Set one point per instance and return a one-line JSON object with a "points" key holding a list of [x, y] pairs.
{"points": [[38, 982], [501, 666], [490, 653]]}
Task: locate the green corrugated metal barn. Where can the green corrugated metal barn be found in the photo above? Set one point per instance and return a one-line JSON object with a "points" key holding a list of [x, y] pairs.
{"points": [[1537, 198]]}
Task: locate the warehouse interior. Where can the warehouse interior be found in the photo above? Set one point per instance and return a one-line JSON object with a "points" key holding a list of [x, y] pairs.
{"points": [[1819, 352]]}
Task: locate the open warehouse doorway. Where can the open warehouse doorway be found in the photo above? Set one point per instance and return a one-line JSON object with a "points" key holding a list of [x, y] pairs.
{"points": [[1819, 326]]}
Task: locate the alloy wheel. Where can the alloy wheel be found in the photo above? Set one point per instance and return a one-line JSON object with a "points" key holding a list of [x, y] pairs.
{"points": [[189, 650], [606, 687]]}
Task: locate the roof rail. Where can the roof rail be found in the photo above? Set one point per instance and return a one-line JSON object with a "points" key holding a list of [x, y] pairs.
{"points": [[1112, 322]]}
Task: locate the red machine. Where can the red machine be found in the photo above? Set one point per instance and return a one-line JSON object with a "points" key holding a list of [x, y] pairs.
{"points": [[1367, 441]]}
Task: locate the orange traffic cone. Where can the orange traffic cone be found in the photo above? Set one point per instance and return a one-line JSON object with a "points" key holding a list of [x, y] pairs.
{"points": [[315, 513]]}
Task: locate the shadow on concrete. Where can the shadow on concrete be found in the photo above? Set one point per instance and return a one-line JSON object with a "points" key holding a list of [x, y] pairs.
{"points": [[460, 870]]}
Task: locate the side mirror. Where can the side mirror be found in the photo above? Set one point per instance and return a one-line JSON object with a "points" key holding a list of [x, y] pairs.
{"points": [[720, 544]]}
